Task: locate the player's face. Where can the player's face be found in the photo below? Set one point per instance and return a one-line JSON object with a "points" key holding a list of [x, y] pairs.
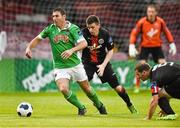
{"points": [[58, 18], [93, 28], [142, 75], [151, 14]]}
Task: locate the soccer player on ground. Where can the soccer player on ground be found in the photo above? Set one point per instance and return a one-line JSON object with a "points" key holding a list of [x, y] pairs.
{"points": [[96, 57], [165, 84], [66, 40], [151, 28]]}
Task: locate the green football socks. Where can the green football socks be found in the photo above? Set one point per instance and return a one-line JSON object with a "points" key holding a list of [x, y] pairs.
{"points": [[71, 97], [93, 97]]}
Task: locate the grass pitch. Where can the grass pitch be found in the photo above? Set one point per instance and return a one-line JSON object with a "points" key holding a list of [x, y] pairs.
{"points": [[52, 110]]}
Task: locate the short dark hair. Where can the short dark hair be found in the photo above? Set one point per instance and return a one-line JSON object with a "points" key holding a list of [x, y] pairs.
{"points": [[92, 19], [61, 10], [155, 6], [142, 67]]}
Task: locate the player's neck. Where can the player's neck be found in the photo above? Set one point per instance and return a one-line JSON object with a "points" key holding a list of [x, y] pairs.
{"points": [[96, 34], [62, 25], [151, 20]]}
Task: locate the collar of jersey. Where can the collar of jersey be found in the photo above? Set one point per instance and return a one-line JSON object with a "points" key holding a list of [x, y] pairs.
{"points": [[150, 21], [67, 26]]}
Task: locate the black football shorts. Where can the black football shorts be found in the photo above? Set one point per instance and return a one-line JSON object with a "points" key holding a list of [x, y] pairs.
{"points": [[155, 52], [108, 76]]}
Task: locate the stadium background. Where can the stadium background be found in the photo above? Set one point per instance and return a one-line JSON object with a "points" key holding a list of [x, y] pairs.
{"points": [[22, 20]]}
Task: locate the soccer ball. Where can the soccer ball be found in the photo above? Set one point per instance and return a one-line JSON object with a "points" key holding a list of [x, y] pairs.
{"points": [[25, 109]]}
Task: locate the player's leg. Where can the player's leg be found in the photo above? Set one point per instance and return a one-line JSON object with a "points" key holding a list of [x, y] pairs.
{"points": [[81, 77], [92, 96], [62, 81], [170, 91], [158, 55], [123, 94], [110, 77], [90, 70], [163, 103], [166, 112]]}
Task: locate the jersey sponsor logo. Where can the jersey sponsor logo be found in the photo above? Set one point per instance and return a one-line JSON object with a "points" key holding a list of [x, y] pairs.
{"points": [[63, 38], [94, 47], [152, 32], [38, 80]]}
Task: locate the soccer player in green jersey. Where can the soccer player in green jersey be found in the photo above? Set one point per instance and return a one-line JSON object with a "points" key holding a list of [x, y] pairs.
{"points": [[66, 40]]}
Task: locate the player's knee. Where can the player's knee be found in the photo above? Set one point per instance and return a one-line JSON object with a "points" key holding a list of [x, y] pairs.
{"points": [[113, 81], [88, 89], [120, 89], [85, 86], [63, 89]]}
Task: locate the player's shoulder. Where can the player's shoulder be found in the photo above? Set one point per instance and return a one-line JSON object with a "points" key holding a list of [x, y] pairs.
{"points": [[49, 26], [85, 30], [104, 31], [160, 19], [73, 26], [142, 20]]}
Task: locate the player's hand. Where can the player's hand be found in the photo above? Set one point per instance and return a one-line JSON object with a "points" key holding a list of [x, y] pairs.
{"points": [[146, 118], [100, 69], [66, 54], [172, 48], [28, 53], [132, 50]]}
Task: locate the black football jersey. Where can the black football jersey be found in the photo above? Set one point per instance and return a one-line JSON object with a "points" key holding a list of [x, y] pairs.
{"points": [[163, 75], [97, 47]]}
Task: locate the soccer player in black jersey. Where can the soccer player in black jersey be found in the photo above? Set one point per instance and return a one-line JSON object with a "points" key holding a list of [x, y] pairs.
{"points": [[96, 57], [165, 84]]}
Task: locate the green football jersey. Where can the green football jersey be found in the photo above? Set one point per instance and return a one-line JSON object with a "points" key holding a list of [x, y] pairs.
{"points": [[61, 40]]}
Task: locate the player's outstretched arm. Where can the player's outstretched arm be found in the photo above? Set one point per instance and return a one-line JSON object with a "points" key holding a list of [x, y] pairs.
{"points": [[152, 107], [31, 45]]}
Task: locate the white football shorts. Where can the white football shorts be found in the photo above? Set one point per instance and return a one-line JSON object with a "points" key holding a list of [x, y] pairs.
{"points": [[76, 73]]}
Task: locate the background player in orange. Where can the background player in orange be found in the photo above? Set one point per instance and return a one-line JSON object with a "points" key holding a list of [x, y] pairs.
{"points": [[151, 28]]}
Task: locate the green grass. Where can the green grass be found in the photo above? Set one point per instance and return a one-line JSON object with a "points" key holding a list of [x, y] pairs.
{"points": [[51, 110]]}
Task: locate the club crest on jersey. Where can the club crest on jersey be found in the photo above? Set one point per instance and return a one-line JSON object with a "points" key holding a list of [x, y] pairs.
{"points": [[101, 41], [63, 38]]}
